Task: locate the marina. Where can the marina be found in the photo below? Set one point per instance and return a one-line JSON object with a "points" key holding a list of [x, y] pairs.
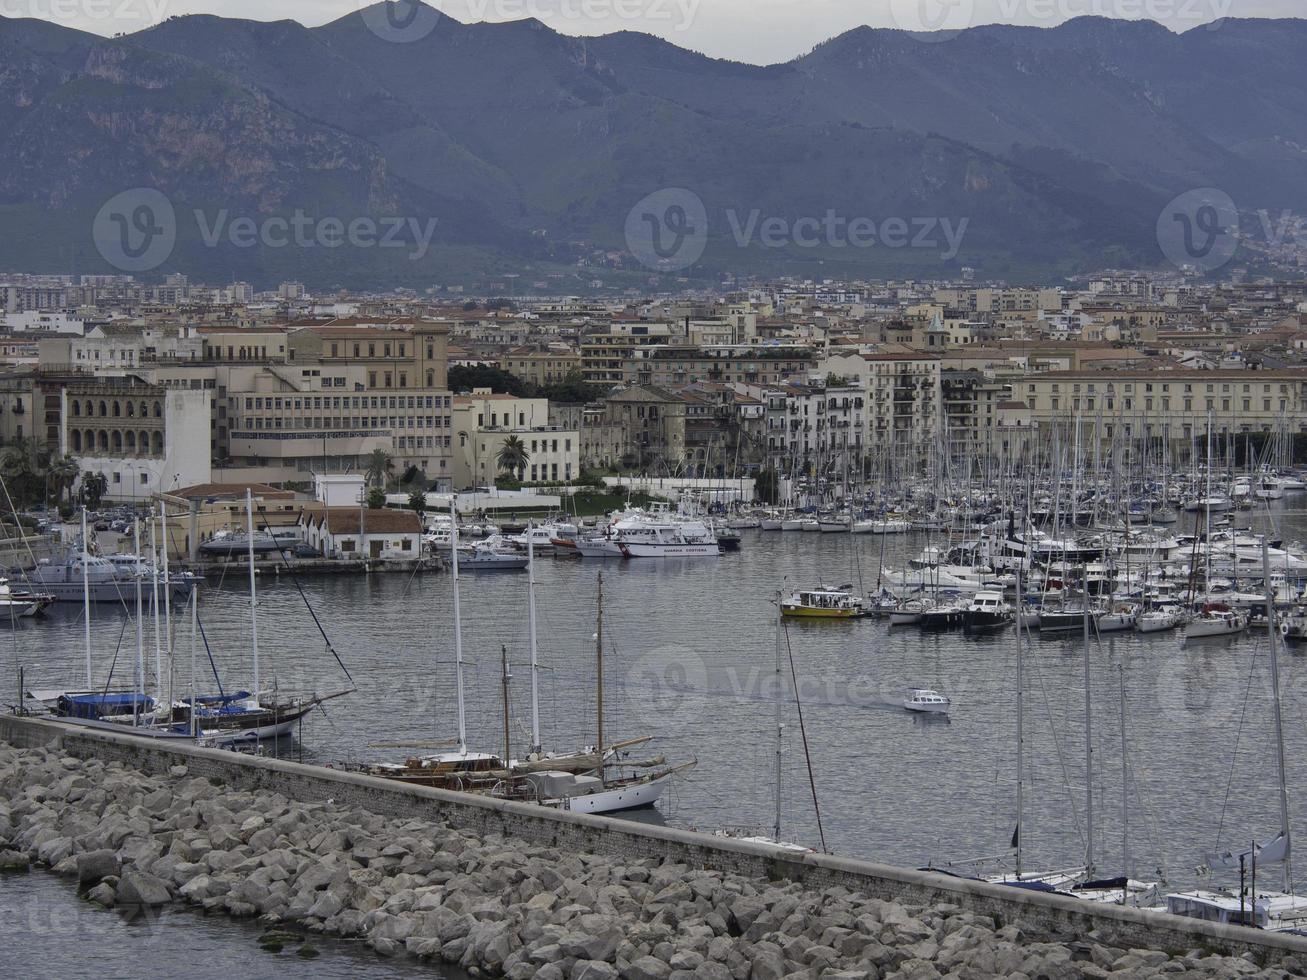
{"points": [[687, 656]]}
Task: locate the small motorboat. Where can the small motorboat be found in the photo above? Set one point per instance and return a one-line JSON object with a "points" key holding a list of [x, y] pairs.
{"points": [[925, 701], [823, 604], [988, 611], [12, 606], [487, 558], [1294, 625]]}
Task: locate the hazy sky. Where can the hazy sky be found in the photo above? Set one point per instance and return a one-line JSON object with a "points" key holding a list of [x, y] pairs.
{"points": [[759, 31]]}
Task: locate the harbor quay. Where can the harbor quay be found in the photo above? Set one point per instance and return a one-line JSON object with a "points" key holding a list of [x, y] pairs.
{"points": [[501, 888]]}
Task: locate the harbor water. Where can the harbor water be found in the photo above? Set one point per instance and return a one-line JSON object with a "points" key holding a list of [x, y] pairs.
{"points": [[690, 657]]}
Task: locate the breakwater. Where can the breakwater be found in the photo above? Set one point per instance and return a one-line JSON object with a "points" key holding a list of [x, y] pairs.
{"points": [[515, 890]]}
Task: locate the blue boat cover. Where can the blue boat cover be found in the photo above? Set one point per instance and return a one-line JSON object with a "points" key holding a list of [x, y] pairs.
{"points": [[98, 705]]}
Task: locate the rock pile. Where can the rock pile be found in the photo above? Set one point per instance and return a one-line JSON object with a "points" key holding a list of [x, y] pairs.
{"points": [[496, 906]]}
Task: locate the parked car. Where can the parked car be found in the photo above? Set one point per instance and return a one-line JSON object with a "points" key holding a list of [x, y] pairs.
{"points": [[302, 550]]}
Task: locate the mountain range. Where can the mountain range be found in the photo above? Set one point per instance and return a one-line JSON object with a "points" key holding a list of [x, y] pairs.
{"points": [[509, 149]]}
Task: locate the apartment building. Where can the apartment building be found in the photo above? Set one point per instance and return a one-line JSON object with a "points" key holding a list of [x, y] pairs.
{"points": [[606, 349], [676, 366], [485, 421], [541, 367], [969, 406], [902, 391], [1169, 405], [822, 424]]}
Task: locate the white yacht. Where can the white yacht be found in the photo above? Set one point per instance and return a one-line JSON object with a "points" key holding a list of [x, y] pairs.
{"points": [[925, 701], [655, 537]]}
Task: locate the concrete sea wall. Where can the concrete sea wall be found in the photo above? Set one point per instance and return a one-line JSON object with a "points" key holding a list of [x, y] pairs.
{"points": [[1049, 917]]}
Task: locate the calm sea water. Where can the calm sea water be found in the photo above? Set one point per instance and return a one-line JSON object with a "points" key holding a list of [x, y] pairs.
{"points": [[690, 658]]}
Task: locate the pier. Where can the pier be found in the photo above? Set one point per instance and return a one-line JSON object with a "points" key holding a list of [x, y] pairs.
{"points": [[511, 889]]}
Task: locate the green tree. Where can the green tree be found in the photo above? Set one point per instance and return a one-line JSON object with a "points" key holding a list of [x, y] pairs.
{"points": [[376, 498], [466, 377], [94, 486], [23, 467], [380, 468], [417, 502], [63, 473], [766, 487], [513, 457]]}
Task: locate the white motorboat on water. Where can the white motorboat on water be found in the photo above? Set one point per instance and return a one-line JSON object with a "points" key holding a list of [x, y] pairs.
{"points": [[925, 701], [655, 537], [484, 556], [15, 607], [987, 611]]}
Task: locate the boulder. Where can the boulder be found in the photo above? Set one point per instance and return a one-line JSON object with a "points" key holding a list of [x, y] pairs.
{"points": [[93, 866], [140, 888]]}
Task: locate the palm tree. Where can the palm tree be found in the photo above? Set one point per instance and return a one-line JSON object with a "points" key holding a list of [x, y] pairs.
{"points": [[94, 486], [25, 479], [380, 468], [513, 457], [417, 502], [64, 471]]}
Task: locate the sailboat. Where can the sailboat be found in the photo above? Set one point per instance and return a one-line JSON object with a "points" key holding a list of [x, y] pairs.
{"points": [[1279, 911], [775, 839], [577, 781]]}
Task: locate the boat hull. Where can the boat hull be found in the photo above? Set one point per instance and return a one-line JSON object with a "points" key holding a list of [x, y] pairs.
{"points": [[633, 797], [651, 550]]}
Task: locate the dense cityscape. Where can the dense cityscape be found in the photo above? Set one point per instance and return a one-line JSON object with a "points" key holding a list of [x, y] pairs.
{"points": [[155, 387], [503, 490]]}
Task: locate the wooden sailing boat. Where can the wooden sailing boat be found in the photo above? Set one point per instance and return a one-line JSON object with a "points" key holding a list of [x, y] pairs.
{"points": [[577, 781]]}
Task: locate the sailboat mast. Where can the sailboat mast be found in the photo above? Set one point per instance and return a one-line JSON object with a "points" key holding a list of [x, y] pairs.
{"points": [[1125, 785], [531, 626], [154, 602], [503, 663], [254, 613], [599, 672], [458, 625], [1089, 747], [140, 635], [167, 596], [1021, 719], [195, 600], [780, 718], [1273, 634], [86, 597]]}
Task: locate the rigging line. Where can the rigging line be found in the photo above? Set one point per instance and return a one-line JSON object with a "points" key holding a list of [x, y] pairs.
{"points": [[1057, 744], [212, 666], [1234, 755], [281, 552], [798, 705], [114, 663]]}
